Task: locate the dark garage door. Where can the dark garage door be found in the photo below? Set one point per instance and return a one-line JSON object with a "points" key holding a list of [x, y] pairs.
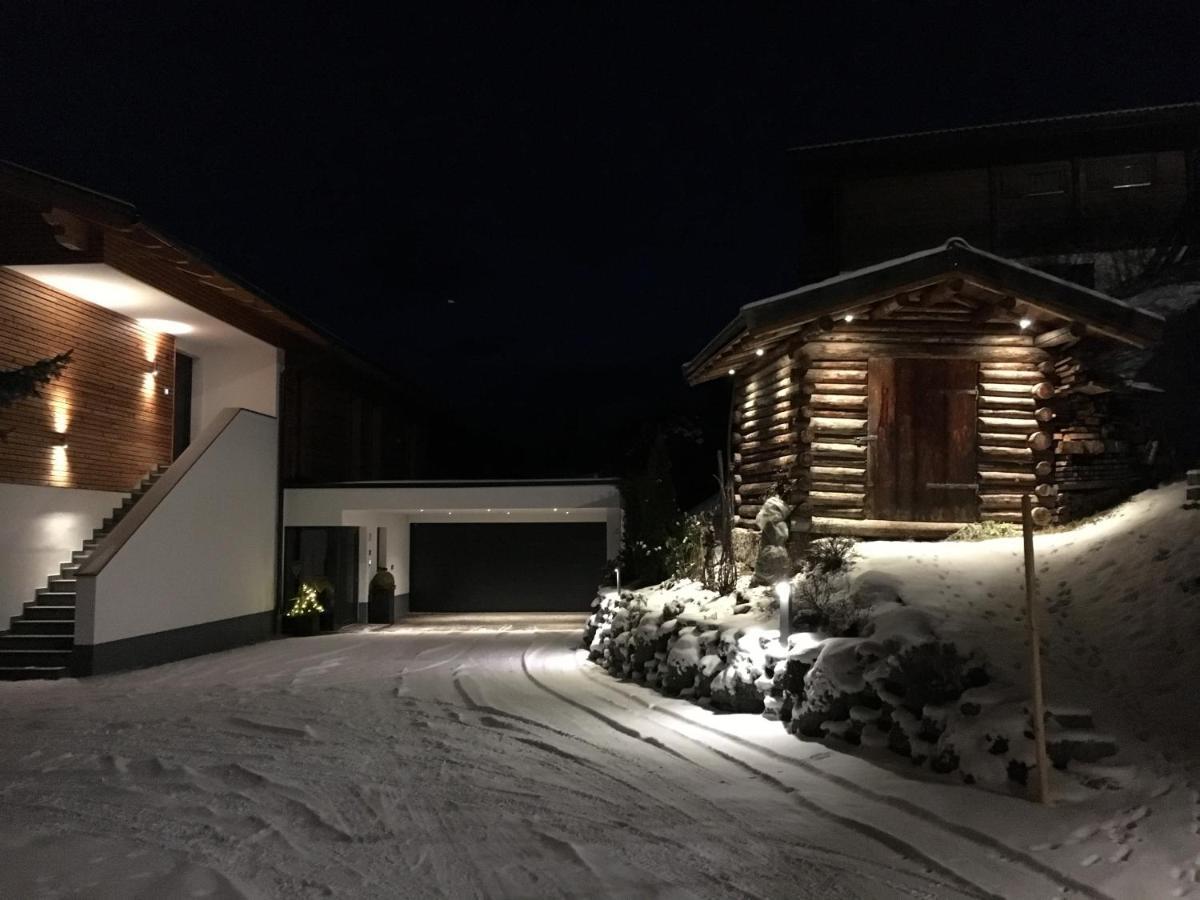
{"points": [[527, 567]]}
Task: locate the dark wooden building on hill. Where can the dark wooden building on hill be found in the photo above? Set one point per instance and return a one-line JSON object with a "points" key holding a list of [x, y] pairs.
{"points": [[929, 391], [1096, 198]]}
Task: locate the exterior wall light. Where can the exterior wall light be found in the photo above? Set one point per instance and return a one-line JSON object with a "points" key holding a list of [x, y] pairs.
{"points": [[759, 352], [166, 392], [1025, 323], [849, 317], [783, 590], [60, 440], [152, 369], [731, 371]]}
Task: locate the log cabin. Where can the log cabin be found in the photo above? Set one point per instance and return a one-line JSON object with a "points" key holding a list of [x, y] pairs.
{"points": [[912, 397]]}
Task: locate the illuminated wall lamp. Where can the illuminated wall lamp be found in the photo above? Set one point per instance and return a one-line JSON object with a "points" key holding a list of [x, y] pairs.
{"points": [[759, 352], [152, 369], [60, 440], [1025, 323]]}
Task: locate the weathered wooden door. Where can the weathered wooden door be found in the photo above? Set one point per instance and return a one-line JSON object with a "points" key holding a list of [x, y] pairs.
{"points": [[921, 422]]}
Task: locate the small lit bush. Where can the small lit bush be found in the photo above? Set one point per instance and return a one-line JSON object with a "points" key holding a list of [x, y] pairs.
{"points": [[305, 603]]}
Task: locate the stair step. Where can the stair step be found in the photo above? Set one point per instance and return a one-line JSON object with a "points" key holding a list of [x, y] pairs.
{"points": [[12, 641], [79, 556], [39, 658], [38, 611], [61, 583], [69, 569], [21, 625], [54, 598], [31, 673]]}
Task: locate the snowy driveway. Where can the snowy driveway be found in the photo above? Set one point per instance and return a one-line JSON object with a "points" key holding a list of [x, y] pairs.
{"points": [[458, 759]]}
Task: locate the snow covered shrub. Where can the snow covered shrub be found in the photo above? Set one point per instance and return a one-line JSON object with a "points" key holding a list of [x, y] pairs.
{"points": [[930, 674], [823, 601], [685, 546], [831, 554], [982, 531]]}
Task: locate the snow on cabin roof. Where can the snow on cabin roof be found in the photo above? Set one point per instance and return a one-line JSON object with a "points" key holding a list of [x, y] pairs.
{"points": [[852, 289]]}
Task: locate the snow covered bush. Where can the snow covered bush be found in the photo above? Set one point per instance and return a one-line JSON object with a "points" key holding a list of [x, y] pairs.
{"points": [[868, 670]]}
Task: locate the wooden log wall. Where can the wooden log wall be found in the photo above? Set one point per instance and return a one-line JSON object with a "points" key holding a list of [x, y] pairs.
{"points": [[1046, 426], [1007, 408], [764, 451], [118, 417]]}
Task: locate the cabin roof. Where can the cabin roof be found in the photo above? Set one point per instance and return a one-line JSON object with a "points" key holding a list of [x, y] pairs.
{"points": [[779, 316]]}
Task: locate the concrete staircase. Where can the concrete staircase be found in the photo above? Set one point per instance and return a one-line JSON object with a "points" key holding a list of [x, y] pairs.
{"points": [[40, 640]]}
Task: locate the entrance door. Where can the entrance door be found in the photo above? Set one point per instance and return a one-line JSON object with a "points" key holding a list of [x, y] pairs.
{"points": [[921, 416], [183, 402]]}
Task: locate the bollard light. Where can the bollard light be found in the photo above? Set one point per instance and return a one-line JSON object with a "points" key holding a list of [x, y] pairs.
{"points": [[783, 590], [617, 571]]}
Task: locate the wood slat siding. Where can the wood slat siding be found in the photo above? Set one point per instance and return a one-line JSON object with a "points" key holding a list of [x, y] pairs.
{"points": [[119, 421]]}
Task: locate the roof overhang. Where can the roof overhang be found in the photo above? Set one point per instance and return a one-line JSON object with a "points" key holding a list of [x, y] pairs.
{"points": [[774, 318]]}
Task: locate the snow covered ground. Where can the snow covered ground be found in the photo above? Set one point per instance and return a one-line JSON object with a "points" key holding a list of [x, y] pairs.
{"points": [[452, 758]]}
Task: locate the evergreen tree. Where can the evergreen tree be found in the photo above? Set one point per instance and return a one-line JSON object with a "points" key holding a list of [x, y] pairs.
{"points": [[28, 381]]}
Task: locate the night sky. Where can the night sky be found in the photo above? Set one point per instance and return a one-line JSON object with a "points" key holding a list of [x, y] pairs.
{"points": [[533, 213]]}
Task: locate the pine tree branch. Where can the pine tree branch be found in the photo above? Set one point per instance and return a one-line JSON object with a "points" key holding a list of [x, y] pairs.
{"points": [[28, 381]]}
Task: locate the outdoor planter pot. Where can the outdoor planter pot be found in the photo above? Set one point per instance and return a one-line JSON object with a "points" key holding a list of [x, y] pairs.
{"points": [[302, 626]]}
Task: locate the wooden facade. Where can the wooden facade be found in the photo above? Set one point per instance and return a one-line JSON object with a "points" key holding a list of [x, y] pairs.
{"points": [[113, 414], [1074, 186], [911, 398], [341, 418]]}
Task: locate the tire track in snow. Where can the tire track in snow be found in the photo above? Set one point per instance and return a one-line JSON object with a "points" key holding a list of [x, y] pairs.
{"points": [[900, 848], [814, 849], [984, 841]]}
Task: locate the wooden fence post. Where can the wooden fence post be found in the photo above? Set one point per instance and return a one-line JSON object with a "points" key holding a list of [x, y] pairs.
{"points": [[1038, 710]]}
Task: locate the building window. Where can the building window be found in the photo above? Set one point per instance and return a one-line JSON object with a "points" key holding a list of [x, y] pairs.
{"points": [[1043, 180], [1119, 173]]}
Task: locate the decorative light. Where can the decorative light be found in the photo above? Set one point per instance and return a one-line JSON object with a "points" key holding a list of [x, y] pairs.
{"points": [[731, 371], [489, 509], [556, 509], [783, 590], [1025, 323], [849, 317], [165, 326], [420, 510], [759, 352], [166, 392]]}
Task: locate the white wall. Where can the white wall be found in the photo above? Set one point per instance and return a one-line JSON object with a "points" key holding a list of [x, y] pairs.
{"points": [[207, 551], [39, 529], [239, 372]]}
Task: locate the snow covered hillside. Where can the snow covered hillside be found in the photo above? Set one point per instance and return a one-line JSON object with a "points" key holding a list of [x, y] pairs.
{"points": [[1122, 597]]}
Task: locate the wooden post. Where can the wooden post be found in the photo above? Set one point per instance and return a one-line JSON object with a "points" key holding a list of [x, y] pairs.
{"points": [[1038, 705]]}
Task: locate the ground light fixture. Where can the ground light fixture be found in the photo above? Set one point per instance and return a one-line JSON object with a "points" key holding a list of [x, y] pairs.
{"points": [[783, 590]]}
